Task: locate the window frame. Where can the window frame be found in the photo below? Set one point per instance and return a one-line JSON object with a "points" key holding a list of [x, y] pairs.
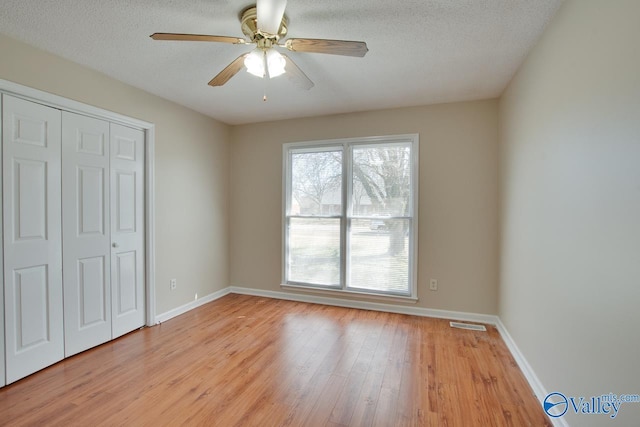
{"points": [[346, 216]]}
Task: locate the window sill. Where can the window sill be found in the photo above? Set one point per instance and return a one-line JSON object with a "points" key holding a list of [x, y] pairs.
{"points": [[336, 292]]}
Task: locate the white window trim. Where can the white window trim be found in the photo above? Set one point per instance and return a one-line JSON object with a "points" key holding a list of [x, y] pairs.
{"points": [[344, 143]]}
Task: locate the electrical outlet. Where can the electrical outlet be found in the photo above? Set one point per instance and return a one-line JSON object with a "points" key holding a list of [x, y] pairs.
{"points": [[433, 284], [174, 284]]}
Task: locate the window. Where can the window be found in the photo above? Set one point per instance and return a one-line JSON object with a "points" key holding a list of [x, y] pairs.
{"points": [[350, 215]]}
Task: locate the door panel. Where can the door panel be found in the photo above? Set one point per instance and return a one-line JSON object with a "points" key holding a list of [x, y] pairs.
{"points": [[125, 202], [125, 282], [92, 286], [30, 199], [127, 229], [125, 147], [29, 129], [32, 237], [87, 254], [30, 292], [91, 200]]}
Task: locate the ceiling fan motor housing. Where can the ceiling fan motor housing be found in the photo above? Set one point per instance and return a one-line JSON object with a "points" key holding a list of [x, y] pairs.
{"points": [[249, 24]]}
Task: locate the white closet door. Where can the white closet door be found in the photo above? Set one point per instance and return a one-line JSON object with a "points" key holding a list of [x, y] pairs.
{"points": [[32, 237], [127, 229], [85, 232]]}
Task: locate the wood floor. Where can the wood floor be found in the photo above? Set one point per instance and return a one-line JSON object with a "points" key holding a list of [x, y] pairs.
{"points": [[249, 361]]}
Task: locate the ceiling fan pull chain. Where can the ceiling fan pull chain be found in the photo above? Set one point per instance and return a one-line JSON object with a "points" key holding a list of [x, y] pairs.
{"points": [[266, 77], [264, 96]]}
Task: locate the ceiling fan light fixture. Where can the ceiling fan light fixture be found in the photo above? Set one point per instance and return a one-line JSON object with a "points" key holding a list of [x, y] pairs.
{"points": [[258, 61], [255, 63], [275, 62]]}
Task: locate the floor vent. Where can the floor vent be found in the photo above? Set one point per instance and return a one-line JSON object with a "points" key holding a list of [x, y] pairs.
{"points": [[468, 326]]}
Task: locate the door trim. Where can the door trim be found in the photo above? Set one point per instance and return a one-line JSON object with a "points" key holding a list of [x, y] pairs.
{"points": [[62, 103]]}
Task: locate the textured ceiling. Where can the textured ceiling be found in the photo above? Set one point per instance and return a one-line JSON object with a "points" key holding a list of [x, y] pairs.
{"points": [[420, 51]]}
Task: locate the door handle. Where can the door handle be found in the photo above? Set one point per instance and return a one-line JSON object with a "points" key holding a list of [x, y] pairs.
{"points": [[115, 245]]}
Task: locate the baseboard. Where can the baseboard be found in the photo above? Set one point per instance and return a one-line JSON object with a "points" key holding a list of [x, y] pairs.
{"points": [[538, 389], [191, 305], [390, 308]]}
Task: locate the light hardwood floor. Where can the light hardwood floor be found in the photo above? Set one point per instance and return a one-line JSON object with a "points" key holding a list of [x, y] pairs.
{"points": [[250, 361]]}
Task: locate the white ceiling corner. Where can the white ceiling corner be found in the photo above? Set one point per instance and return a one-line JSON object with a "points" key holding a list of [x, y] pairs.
{"points": [[420, 51]]}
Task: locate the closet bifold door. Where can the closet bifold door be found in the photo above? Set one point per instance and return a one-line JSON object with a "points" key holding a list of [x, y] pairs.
{"points": [[127, 229], [32, 237], [86, 232]]}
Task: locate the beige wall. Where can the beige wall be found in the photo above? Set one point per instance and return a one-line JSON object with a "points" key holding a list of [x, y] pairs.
{"points": [[191, 160], [570, 204], [458, 197]]}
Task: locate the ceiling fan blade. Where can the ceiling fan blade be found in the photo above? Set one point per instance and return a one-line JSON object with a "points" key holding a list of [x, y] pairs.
{"points": [[270, 13], [230, 71], [197, 38], [333, 47], [296, 75]]}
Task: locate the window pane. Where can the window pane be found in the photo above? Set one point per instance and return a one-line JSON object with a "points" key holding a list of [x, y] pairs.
{"points": [[314, 251], [379, 255], [316, 183], [381, 180]]}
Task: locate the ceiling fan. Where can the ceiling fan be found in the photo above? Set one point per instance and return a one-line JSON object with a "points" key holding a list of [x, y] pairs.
{"points": [[265, 25]]}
